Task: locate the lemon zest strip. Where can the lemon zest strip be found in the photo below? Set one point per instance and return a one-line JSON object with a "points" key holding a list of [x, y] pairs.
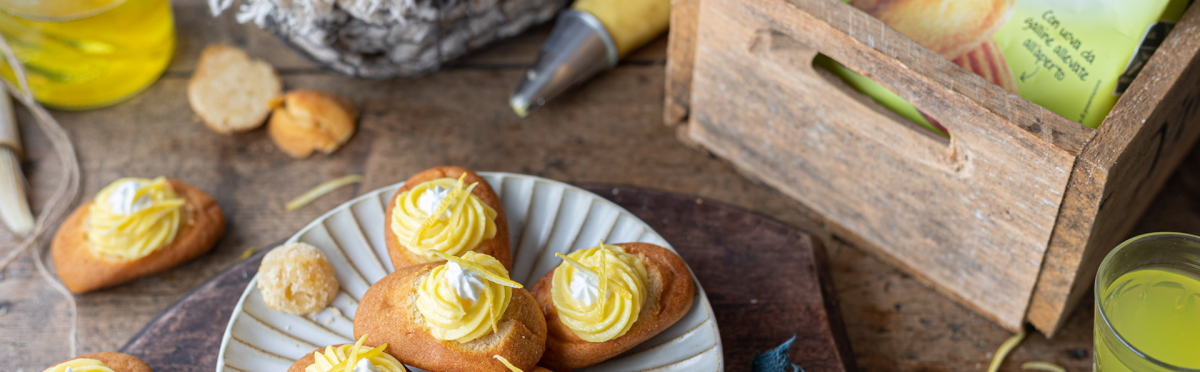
{"points": [[491, 313], [455, 193], [352, 359], [578, 265], [1043, 366], [479, 270], [321, 190], [1006, 348], [604, 276], [584, 268], [507, 364]]}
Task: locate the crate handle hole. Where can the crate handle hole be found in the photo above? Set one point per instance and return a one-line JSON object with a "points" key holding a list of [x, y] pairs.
{"points": [[878, 97]]}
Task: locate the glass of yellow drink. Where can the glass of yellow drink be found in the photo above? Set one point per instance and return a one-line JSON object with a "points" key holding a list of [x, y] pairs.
{"points": [[1148, 305], [82, 54]]}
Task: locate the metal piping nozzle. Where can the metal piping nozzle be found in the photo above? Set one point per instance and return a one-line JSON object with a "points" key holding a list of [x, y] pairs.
{"points": [[578, 48]]}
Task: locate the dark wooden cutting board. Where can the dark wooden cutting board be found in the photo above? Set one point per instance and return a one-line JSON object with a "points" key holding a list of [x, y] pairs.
{"points": [[765, 280]]}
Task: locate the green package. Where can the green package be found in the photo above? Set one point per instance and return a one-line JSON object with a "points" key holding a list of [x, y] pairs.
{"points": [[1073, 57]]}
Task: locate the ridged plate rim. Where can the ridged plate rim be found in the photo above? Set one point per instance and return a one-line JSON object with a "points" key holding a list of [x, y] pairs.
{"points": [[701, 302]]}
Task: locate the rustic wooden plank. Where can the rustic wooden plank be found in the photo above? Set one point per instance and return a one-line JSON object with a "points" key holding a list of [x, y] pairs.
{"points": [[458, 116], [607, 131], [681, 54], [1137, 147], [972, 216]]}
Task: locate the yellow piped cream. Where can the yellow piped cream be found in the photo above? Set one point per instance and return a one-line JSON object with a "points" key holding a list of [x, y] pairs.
{"points": [[80, 365], [457, 225], [452, 315], [131, 218], [620, 285], [354, 358]]}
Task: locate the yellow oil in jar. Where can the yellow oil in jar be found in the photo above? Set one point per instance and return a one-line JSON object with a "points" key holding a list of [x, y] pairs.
{"points": [[91, 58]]}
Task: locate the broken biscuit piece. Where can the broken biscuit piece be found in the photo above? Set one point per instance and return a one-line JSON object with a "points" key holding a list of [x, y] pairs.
{"points": [[308, 120], [230, 91]]}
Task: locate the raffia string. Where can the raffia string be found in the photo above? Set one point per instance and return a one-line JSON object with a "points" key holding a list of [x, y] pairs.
{"points": [[68, 187]]}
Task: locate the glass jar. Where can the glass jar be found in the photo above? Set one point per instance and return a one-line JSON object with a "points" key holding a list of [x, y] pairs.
{"points": [[1148, 305], [82, 54]]}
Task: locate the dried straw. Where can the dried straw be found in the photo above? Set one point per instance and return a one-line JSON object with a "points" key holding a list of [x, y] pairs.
{"points": [[14, 207], [64, 195]]}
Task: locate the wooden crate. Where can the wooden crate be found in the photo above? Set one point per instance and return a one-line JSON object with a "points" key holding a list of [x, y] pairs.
{"points": [[1010, 217]]}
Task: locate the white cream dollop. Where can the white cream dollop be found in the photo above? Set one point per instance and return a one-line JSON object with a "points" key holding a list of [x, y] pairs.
{"points": [[465, 284], [584, 288], [429, 200], [365, 365], [122, 201]]}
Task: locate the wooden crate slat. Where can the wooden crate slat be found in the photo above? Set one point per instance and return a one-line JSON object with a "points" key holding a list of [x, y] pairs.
{"points": [[973, 216], [735, 67], [682, 39], [1137, 147]]}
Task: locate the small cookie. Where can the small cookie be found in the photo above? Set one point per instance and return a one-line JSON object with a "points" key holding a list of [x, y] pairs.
{"points": [[670, 292], [390, 312], [201, 224], [118, 362], [497, 246], [307, 120], [296, 278], [231, 91]]}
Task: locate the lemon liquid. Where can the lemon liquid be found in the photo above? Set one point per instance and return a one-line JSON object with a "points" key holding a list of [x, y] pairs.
{"points": [[1156, 310], [93, 59]]}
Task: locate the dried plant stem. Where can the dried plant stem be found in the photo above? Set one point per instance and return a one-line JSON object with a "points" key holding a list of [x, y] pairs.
{"points": [[64, 195], [14, 206], [1043, 366], [1005, 348]]}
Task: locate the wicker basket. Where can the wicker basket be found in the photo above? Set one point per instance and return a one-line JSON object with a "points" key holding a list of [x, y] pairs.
{"points": [[383, 43]]}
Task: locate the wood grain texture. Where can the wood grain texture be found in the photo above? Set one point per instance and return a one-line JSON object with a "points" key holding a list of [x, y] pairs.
{"points": [[681, 52], [972, 217], [1137, 147], [608, 130], [765, 280]]}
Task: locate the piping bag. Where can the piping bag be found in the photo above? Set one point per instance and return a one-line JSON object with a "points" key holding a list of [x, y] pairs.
{"points": [[588, 39]]}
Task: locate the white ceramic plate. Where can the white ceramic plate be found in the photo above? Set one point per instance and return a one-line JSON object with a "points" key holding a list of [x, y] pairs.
{"points": [[544, 217]]}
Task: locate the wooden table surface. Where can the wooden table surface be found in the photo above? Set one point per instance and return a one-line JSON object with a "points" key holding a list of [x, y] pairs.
{"points": [[609, 131]]}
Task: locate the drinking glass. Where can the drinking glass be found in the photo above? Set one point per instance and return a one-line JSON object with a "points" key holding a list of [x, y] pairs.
{"points": [[1148, 305]]}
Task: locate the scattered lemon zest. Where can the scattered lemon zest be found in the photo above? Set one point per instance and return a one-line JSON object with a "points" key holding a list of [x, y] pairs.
{"points": [[249, 252], [479, 270], [321, 190], [487, 295], [444, 205], [602, 276], [578, 265], [1005, 348], [336, 359], [353, 357], [126, 235], [1043, 366], [453, 318], [604, 318], [507, 364]]}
